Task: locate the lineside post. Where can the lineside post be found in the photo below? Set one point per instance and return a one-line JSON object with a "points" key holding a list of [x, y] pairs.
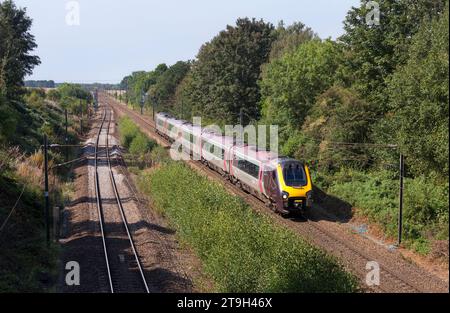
{"points": [[46, 195], [400, 211], [66, 139]]}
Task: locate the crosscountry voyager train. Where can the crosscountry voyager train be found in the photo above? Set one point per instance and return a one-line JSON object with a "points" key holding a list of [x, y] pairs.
{"points": [[284, 184]]}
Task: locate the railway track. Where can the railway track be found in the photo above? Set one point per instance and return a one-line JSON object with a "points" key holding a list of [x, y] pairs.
{"points": [[356, 260], [155, 236], [123, 267]]}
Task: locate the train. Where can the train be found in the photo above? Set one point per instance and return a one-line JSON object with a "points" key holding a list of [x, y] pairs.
{"points": [[282, 183]]}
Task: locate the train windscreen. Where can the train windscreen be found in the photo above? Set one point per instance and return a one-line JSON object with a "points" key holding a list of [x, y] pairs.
{"points": [[294, 175]]}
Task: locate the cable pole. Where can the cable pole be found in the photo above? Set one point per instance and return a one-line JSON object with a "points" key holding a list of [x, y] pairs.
{"points": [[400, 211], [46, 195], [154, 107], [66, 136]]}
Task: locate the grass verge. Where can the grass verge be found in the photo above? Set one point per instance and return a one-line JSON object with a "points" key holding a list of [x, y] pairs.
{"points": [[242, 251]]}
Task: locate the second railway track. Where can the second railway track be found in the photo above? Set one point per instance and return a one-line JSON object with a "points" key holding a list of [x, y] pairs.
{"points": [[122, 263]]}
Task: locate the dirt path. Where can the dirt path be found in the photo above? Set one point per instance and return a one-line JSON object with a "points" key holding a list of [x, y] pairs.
{"points": [[167, 267], [354, 251]]}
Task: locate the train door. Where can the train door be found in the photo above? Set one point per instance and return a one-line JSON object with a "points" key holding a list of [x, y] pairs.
{"points": [[271, 187]]}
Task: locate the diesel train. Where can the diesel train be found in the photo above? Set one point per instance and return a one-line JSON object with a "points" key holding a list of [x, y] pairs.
{"points": [[284, 184]]}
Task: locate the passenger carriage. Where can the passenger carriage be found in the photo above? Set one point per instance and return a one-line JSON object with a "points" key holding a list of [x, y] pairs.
{"points": [[282, 183]]}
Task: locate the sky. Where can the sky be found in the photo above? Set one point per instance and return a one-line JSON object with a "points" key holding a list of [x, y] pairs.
{"points": [[114, 38]]}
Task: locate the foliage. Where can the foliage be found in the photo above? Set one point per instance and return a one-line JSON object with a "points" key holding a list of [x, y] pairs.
{"points": [[16, 43], [128, 130], [376, 197], [140, 145], [290, 84], [9, 119], [138, 83], [374, 52], [25, 258], [243, 251], [163, 92], [419, 99], [338, 115], [133, 139], [289, 38], [224, 78]]}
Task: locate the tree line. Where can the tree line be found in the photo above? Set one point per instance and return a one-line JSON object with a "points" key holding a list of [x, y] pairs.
{"points": [[341, 105], [377, 84]]}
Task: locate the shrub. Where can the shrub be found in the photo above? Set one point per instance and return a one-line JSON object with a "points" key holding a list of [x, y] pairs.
{"points": [[128, 130], [140, 144], [376, 196]]}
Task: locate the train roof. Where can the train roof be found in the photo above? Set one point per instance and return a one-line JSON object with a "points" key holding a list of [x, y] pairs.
{"points": [[252, 152], [225, 141]]}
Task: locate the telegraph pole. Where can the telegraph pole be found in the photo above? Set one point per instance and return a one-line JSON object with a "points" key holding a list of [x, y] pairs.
{"points": [[81, 119], [66, 139], [47, 203], [400, 211]]}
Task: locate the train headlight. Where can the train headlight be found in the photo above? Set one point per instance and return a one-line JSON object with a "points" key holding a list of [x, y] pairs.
{"points": [[285, 195]]}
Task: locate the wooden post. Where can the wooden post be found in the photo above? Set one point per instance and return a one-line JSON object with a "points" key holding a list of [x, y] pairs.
{"points": [[400, 211], [46, 194]]}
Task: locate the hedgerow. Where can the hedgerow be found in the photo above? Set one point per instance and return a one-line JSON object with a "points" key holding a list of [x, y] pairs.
{"points": [[243, 251], [375, 195]]}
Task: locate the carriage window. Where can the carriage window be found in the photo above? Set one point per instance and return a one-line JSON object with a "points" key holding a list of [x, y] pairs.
{"points": [[247, 167]]}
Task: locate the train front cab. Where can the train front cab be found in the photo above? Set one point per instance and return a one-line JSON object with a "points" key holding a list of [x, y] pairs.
{"points": [[289, 187]]}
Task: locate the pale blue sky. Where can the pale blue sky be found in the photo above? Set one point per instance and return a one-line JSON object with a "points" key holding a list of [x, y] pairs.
{"points": [[117, 37]]}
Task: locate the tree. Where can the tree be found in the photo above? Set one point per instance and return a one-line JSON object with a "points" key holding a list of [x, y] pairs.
{"points": [[16, 43], [9, 119], [419, 99], [163, 92], [290, 85], [139, 82], [289, 38], [374, 52], [339, 115], [224, 78]]}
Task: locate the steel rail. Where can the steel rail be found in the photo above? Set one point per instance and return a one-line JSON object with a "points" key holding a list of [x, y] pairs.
{"points": [[121, 209], [99, 204]]}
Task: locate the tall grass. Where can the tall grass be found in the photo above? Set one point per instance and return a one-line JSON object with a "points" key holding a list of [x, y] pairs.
{"points": [[133, 139], [243, 251]]}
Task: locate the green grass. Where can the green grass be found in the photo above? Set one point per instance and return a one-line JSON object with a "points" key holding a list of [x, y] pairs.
{"points": [[25, 259], [241, 250], [133, 139]]}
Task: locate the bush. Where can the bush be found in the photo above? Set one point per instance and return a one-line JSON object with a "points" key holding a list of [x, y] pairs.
{"points": [[376, 196], [243, 251], [140, 145], [128, 130]]}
